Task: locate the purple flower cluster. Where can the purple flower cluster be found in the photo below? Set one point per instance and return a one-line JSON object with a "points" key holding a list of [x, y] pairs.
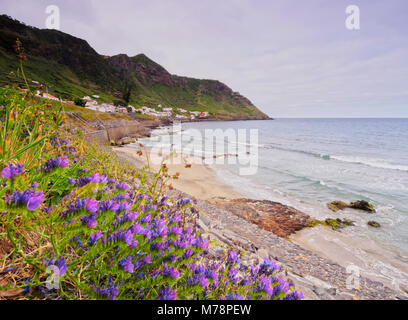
{"points": [[88, 204], [167, 294], [28, 197], [170, 271], [53, 163], [133, 236], [11, 171], [95, 178], [110, 291], [62, 142], [60, 263]]}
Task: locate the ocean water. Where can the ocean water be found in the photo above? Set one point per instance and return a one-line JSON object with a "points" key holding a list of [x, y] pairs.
{"points": [[306, 163]]}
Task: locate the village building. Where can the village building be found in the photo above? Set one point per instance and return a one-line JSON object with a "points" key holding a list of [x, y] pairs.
{"points": [[121, 110], [132, 108], [46, 96], [107, 107], [91, 103]]}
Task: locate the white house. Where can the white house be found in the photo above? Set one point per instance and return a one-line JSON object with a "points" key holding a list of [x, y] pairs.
{"points": [[108, 107], [121, 109], [91, 103], [46, 96]]}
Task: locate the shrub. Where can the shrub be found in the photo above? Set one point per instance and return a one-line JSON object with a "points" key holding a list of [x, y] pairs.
{"points": [[80, 102]]}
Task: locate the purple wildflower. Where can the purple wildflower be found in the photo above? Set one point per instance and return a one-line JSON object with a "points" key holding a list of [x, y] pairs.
{"points": [[92, 223], [234, 296], [62, 265], [167, 294], [147, 259], [295, 295], [170, 271], [91, 205], [93, 239], [95, 178], [122, 186], [35, 201], [52, 163], [203, 281], [11, 171], [232, 257], [28, 197]]}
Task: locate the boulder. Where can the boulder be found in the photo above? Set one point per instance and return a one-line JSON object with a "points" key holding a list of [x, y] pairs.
{"points": [[362, 205], [337, 223], [126, 140], [337, 205], [373, 224]]}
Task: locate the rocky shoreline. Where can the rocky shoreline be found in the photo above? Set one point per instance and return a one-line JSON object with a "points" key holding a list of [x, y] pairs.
{"points": [[271, 216], [261, 228], [317, 277]]}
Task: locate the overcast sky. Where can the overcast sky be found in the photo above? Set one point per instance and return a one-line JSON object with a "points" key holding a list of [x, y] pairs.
{"points": [[291, 58]]}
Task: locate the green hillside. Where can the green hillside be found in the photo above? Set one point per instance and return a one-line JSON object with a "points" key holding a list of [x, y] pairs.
{"points": [[70, 68]]}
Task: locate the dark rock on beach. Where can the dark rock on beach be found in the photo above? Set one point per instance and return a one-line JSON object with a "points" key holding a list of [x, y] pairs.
{"points": [[338, 223], [337, 205], [272, 216], [373, 224], [360, 205]]}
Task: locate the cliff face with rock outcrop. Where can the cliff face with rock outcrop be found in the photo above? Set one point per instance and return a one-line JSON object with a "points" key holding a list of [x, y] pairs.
{"points": [[71, 68]]}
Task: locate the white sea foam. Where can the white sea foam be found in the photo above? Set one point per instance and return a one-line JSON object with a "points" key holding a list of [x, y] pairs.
{"points": [[372, 162]]}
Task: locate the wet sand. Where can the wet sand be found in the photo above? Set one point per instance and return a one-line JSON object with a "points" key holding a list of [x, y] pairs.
{"points": [[359, 255]]}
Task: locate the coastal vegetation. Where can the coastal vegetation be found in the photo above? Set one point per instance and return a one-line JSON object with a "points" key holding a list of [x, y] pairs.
{"points": [[76, 223]]}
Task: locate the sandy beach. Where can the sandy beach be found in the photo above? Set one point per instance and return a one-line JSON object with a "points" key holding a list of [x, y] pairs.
{"points": [[195, 179]]}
